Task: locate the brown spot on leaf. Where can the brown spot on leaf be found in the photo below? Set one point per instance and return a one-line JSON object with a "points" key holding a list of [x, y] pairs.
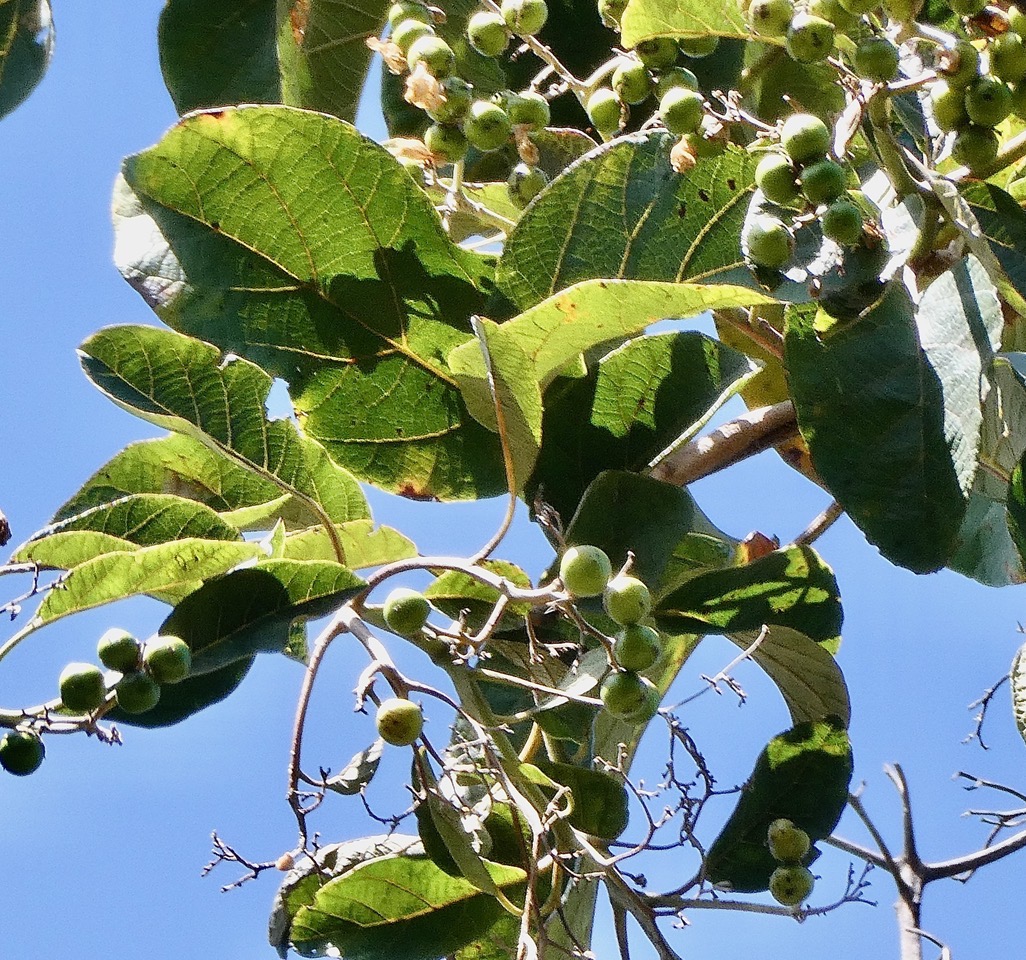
{"points": [[755, 546], [299, 16], [703, 195], [731, 183], [413, 492]]}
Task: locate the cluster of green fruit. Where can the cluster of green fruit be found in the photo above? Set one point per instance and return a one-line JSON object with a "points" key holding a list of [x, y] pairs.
{"points": [[791, 883], [801, 175], [462, 120], [586, 571]]}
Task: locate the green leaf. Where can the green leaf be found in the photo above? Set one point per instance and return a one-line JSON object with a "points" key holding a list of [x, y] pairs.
{"points": [[219, 52], [1018, 676], [802, 775], [873, 407], [622, 212], [455, 593], [399, 908], [804, 671], [186, 386], [635, 403], [644, 19], [600, 802], [499, 943], [789, 588], [363, 544], [26, 44], [1017, 509], [290, 239], [1003, 224], [356, 774]]}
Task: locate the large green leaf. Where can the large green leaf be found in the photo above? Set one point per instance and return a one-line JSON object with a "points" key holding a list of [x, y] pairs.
{"points": [[802, 775], [790, 588], [1018, 676], [644, 19], [1003, 224], [26, 44], [399, 908], [636, 402], [363, 544], [219, 52], [893, 431], [622, 212], [290, 239], [600, 800]]}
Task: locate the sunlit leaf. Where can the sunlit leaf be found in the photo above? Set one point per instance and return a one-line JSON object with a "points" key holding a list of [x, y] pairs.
{"points": [[644, 19], [1018, 675], [26, 44]]}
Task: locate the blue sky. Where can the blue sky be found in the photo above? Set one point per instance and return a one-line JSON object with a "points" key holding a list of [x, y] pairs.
{"points": [[101, 850]]}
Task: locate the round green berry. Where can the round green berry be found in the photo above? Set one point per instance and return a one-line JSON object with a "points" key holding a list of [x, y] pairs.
{"points": [[629, 697], [876, 58], [682, 111], [529, 109], [842, 223], [822, 181], [960, 65], [406, 611], [975, 147], [446, 143], [626, 599], [791, 885], [1017, 20], [525, 17], [21, 752], [459, 95], [408, 31], [632, 81], [487, 33], [408, 10], [768, 242], [659, 53], [585, 571], [1008, 57], [487, 126], [434, 53], [698, 48], [809, 39], [832, 11], [805, 138], [399, 721], [776, 178], [137, 692], [167, 659], [119, 650], [787, 843], [82, 687], [525, 183], [677, 77], [605, 110], [770, 18], [860, 7], [637, 647], [967, 8], [948, 105], [1019, 99], [988, 101]]}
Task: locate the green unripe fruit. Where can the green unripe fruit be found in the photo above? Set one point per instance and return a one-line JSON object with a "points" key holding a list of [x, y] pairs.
{"points": [[585, 571], [82, 687], [447, 143], [975, 147], [487, 33], [787, 843], [682, 111], [698, 47], [525, 183], [1008, 57], [988, 101], [770, 18], [434, 53], [529, 109], [859, 7], [408, 32], [876, 58], [137, 692], [629, 697], [791, 885], [406, 611], [632, 81], [167, 659], [822, 181], [967, 8], [458, 95], [1017, 20], [605, 111], [626, 599], [1019, 100], [658, 53], [842, 223], [408, 10], [525, 17], [637, 647], [809, 39], [677, 77], [832, 11], [487, 126], [768, 241], [399, 721], [904, 11], [948, 105], [21, 752], [776, 178], [805, 137], [611, 11], [119, 650], [960, 66]]}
